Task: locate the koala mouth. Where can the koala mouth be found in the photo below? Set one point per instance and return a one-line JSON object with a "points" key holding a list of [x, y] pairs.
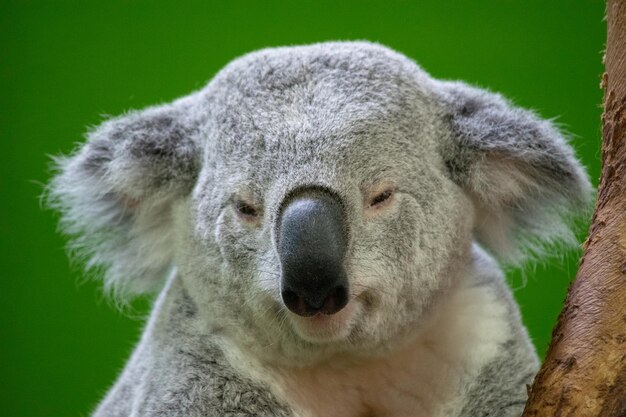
{"points": [[321, 327]]}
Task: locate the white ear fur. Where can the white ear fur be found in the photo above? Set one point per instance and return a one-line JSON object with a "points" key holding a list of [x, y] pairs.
{"points": [[519, 170], [116, 192]]}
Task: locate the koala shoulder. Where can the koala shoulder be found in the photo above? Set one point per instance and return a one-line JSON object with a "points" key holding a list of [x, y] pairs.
{"points": [[190, 379]]}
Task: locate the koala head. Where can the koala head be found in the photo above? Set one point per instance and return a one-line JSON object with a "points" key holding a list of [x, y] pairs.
{"points": [[316, 199]]}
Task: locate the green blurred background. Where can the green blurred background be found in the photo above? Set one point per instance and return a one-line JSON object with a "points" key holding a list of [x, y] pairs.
{"points": [[64, 64]]}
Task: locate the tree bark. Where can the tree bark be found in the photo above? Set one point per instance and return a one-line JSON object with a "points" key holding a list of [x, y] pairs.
{"points": [[584, 373]]}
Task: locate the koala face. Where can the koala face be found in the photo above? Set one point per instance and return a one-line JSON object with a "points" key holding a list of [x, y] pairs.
{"points": [[316, 199], [322, 180]]}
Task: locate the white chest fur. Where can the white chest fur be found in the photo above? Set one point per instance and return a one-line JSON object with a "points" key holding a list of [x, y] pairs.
{"points": [[424, 378]]}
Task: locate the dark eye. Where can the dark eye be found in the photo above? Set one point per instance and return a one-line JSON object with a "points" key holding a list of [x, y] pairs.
{"points": [[245, 210], [381, 198]]}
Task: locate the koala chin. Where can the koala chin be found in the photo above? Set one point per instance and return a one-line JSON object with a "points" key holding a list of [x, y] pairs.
{"points": [[325, 226]]}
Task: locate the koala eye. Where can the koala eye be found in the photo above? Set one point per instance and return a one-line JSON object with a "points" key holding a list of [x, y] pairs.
{"points": [[380, 198], [245, 210]]}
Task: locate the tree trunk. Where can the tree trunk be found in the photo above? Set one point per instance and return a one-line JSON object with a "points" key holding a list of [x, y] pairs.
{"points": [[584, 373]]}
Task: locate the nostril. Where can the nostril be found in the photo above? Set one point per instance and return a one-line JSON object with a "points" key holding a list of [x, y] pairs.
{"points": [[297, 304], [303, 306], [335, 301]]}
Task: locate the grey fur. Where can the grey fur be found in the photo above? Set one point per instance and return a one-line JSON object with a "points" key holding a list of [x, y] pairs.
{"points": [[153, 190], [500, 389], [193, 378]]}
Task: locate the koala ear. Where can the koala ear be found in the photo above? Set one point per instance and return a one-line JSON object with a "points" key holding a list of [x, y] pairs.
{"points": [[116, 193], [523, 177]]}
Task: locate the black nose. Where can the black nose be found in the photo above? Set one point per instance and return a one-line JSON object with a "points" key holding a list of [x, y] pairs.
{"points": [[311, 247]]}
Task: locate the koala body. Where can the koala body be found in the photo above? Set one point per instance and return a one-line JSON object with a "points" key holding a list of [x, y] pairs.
{"points": [[321, 222]]}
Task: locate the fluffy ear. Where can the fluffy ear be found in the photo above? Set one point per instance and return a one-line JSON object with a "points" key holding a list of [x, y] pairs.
{"points": [[116, 193], [519, 170]]}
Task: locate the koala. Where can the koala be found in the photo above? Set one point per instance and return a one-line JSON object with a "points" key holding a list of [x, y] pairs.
{"points": [[325, 226]]}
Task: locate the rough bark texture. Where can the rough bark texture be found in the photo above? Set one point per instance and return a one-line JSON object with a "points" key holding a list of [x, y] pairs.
{"points": [[584, 373]]}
